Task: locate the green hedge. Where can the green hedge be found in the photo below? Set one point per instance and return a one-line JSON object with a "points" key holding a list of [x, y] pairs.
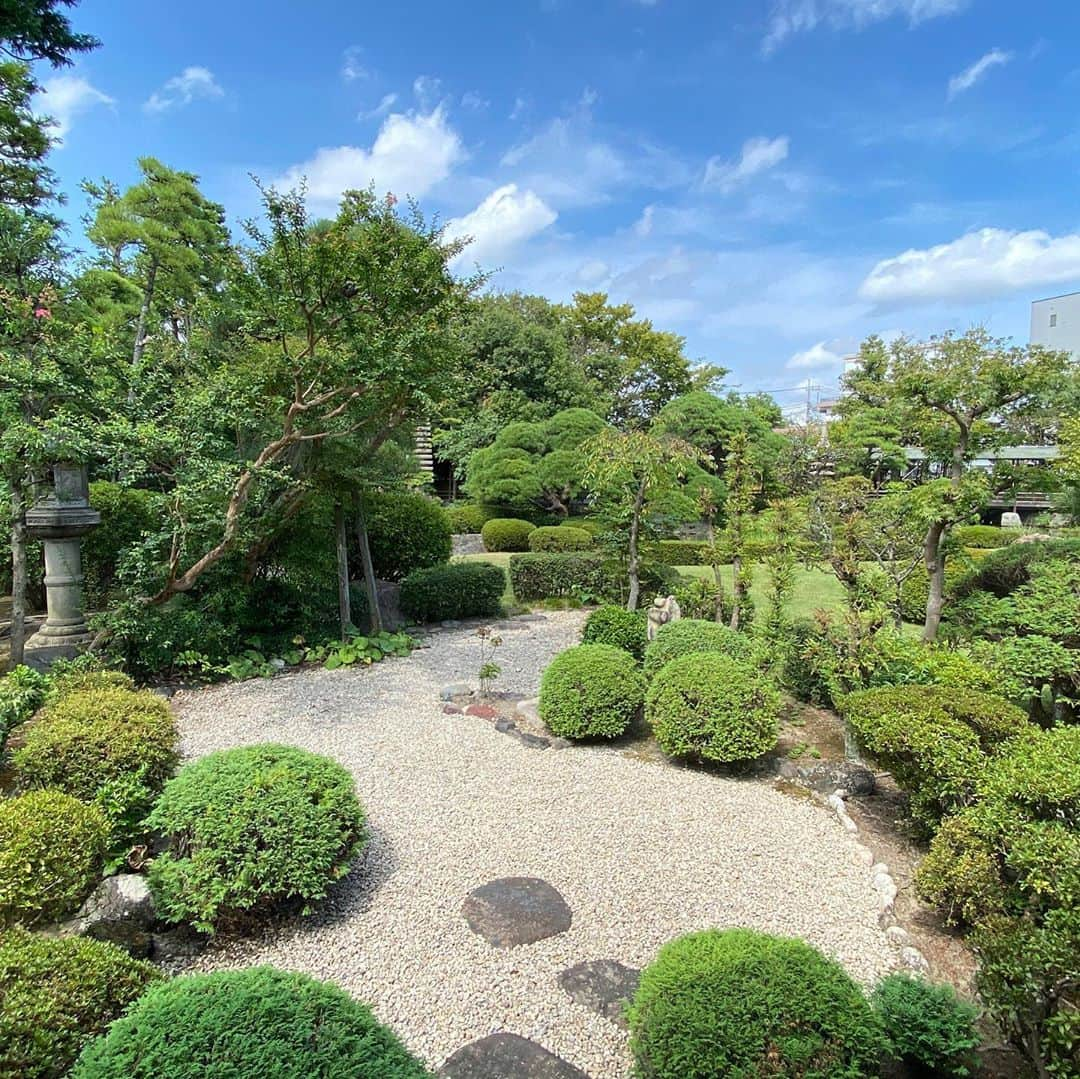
{"points": [[466, 516], [934, 739], [250, 828], [406, 531], [560, 538], [52, 847], [246, 1024], [57, 995], [457, 590], [714, 707], [741, 1003], [693, 635], [110, 745], [546, 576], [616, 626], [984, 537], [506, 534], [591, 691], [680, 552]]}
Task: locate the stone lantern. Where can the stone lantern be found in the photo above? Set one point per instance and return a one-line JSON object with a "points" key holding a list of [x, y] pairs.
{"points": [[60, 520]]}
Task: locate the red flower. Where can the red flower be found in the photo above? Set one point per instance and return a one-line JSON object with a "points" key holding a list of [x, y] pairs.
{"points": [[42, 312]]}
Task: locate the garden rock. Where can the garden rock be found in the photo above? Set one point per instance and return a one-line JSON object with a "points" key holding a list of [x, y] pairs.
{"points": [[516, 910], [825, 777], [604, 986], [177, 942], [507, 1056], [455, 689], [120, 910]]}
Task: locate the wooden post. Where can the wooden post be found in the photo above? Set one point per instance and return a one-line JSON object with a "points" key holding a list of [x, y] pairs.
{"points": [[344, 602], [375, 624]]}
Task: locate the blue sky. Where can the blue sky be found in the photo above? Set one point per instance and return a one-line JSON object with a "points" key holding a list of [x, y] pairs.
{"points": [[775, 179]]}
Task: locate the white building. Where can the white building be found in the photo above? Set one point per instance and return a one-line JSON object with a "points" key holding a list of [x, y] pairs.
{"points": [[1055, 322]]}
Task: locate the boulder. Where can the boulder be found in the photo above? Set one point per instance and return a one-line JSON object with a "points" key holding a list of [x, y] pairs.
{"points": [[121, 911], [516, 910]]}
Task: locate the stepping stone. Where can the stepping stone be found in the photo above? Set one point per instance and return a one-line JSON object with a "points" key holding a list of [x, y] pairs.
{"points": [[507, 1056], [516, 910], [603, 986]]}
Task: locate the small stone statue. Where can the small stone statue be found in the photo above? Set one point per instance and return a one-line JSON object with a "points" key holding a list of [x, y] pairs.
{"points": [[664, 609]]}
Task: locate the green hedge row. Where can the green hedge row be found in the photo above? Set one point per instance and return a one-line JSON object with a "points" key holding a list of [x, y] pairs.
{"points": [[457, 590]]}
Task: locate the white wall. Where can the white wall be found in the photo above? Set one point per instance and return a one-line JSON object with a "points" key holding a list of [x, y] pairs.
{"points": [[1055, 322]]}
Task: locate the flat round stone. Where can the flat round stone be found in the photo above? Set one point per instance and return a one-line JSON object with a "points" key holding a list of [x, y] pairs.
{"points": [[507, 1056], [603, 986], [516, 910]]}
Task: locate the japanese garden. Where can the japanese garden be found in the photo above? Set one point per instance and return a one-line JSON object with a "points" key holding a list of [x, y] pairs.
{"points": [[407, 676]]}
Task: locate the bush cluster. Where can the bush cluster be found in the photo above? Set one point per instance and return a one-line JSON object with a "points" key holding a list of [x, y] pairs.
{"points": [[456, 590], [713, 707], [52, 847], [984, 537], [506, 534], [680, 552], [1003, 571], [741, 1003], [927, 1026], [128, 514], [466, 517], [934, 739], [560, 538], [616, 626], [579, 575], [693, 635], [406, 531], [57, 995], [22, 693], [257, 1022], [591, 691], [252, 827], [108, 745]]}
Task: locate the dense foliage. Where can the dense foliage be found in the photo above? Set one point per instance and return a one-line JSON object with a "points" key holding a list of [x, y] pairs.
{"points": [[560, 538], [712, 706], [57, 995], [250, 828], [739, 1002], [506, 534], [693, 635], [247, 1023], [591, 691], [52, 847], [458, 590], [407, 531], [545, 576], [22, 693], [616, 626]]}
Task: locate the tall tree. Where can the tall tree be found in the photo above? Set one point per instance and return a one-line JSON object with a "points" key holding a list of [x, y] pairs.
{"points": [[39, 30]]}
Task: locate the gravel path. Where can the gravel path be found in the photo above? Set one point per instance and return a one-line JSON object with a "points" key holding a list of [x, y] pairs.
{"points": [[641, 852]]}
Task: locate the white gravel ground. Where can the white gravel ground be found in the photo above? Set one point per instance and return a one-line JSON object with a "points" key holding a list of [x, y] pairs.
{"points": [[641, 852]]}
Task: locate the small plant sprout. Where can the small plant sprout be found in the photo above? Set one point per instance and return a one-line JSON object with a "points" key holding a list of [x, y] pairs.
{"points": [[489, 669]]}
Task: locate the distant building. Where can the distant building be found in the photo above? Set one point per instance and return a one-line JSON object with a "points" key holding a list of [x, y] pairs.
{"points": [[1055, 322]]}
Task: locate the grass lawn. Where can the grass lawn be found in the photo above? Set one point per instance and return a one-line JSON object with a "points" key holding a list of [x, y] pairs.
{"points": [[814, 588]]}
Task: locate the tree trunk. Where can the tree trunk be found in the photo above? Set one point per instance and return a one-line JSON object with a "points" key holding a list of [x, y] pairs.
{"points": [[718, 577], [633, 566], [344, 602], [18, 571], [375, 623], [934, 557]]}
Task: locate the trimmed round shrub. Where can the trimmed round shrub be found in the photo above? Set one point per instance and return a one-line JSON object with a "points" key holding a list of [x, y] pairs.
{"points": [[712, 707], [466, 516], [693, 635], [934, 739], [110, 745], [51, 851], [506, 534], [248, 1023], [984, 537], [591, 691], [560, 538], [57, 995], [81, 681], [252, 827], [927, 1025], [406, 531], [618, 627], [741, 1003], [456, 590]]}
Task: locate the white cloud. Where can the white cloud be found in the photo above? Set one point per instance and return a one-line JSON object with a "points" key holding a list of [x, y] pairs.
{"points": [[427, 89], [978, 265], [819, 355], [410, 155], [352, 67], [971, 75], [759, 154], [183, 89], [800, 16], [386, 103], [474, 101], [504, 219], [64, 97]]}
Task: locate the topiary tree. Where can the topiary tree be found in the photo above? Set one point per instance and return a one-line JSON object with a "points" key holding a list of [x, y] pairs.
{"points": [[506, 534], [247, 1023], [406, 531], [591, 691], [713, 707], [57, 995], [741, 1003], [51, 851], [693, 635], [252, 827], [618, 627]]}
